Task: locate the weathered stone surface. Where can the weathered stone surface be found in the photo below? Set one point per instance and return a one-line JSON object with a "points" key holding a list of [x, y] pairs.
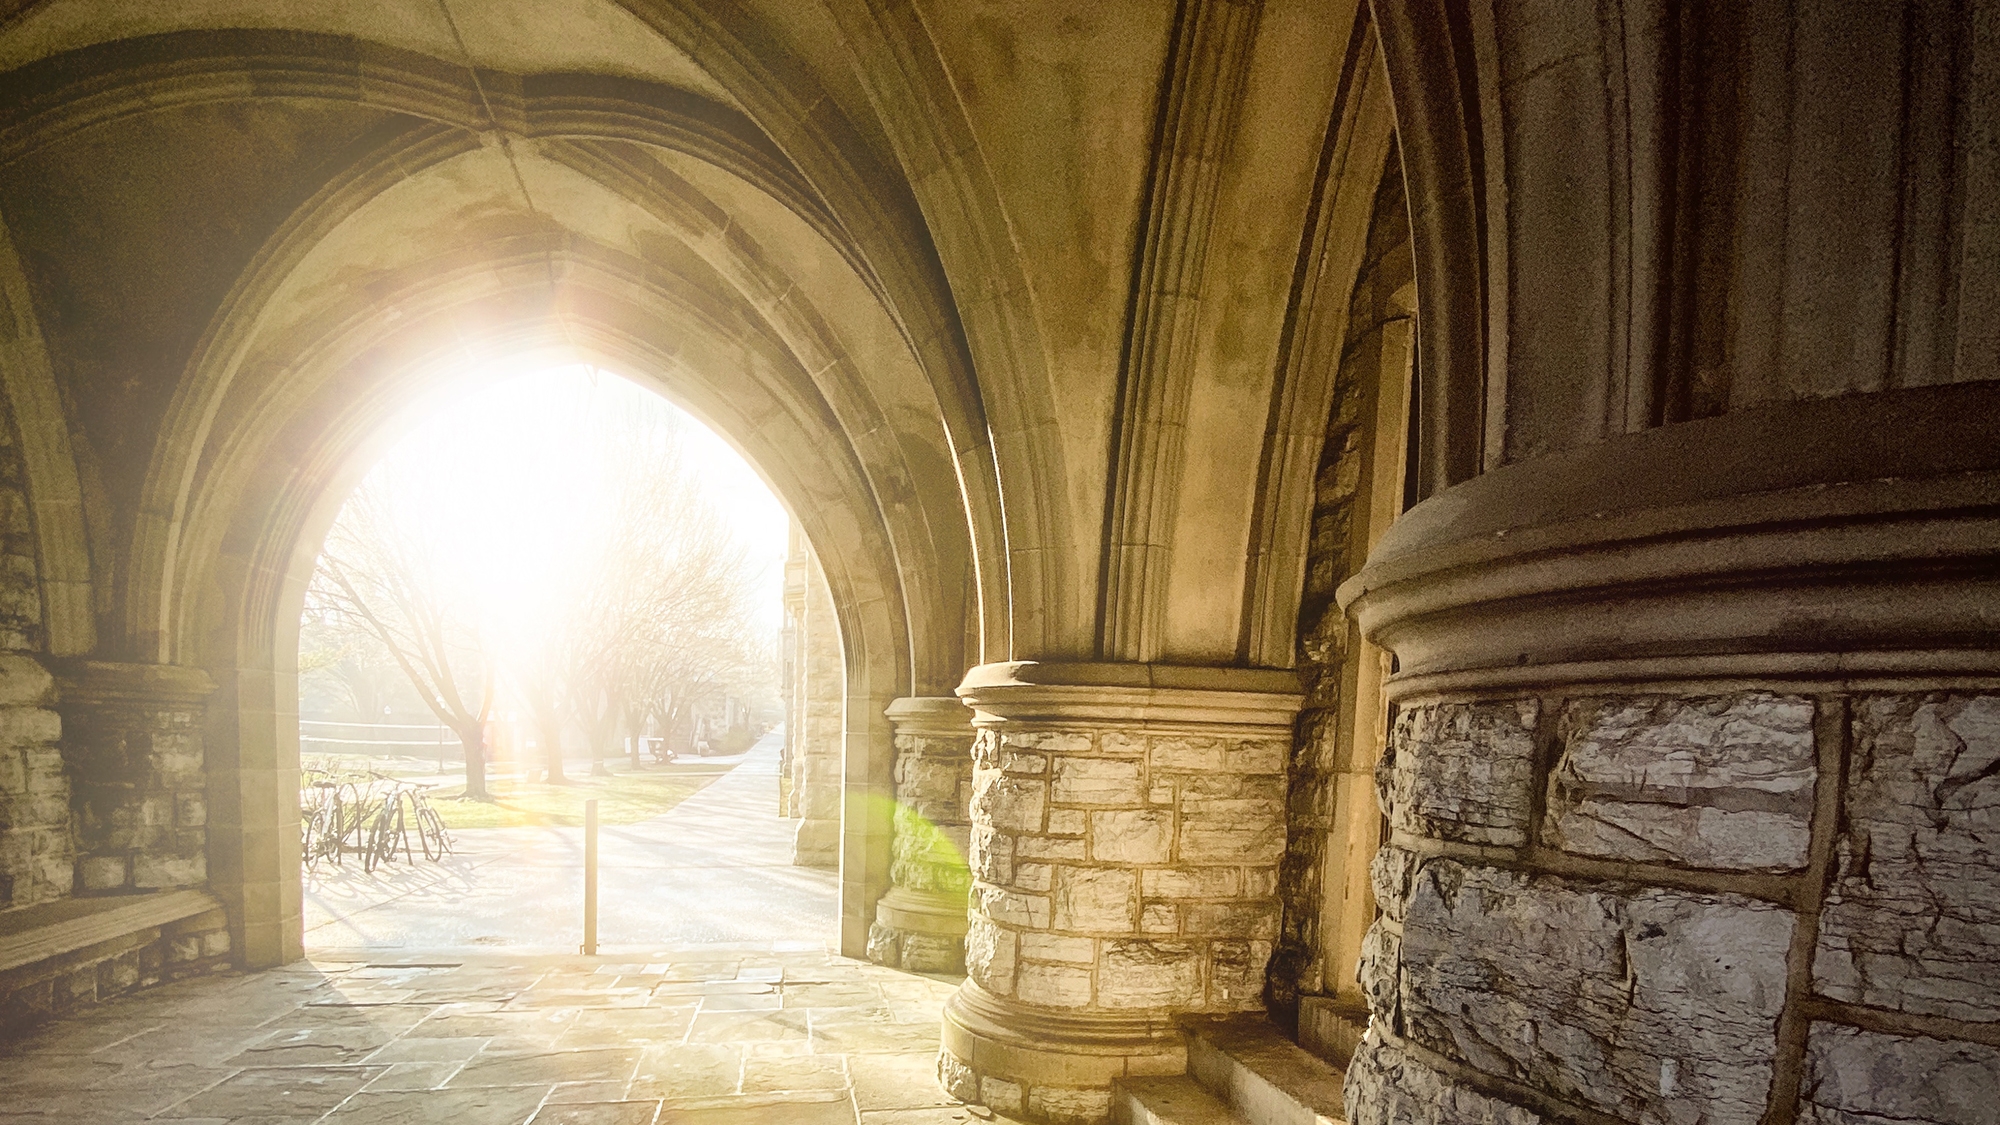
{"points": [[1380, 969], [1385, 1086], [1008, 803], [1644, 1003], [1095, 901], [37, 849], [990, 956], [1053, 986], [1461, 771], [1097, 781], [1720, 781], [926, 856], [1912, 921], [1856, 1077], [1219, 830], [23, 681], [1150, 974], [1132, 836]]}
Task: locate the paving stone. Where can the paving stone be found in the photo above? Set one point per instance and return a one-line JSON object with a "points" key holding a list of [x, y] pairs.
{"points": [[599, 1113], [491, 1105], [415, 1076], [773, 1076], [761, 1111], [322, 1046], [694, 1070], [413, 1049], [490, 1068], [900, 1081], [603, 1090], [295, 1089]]}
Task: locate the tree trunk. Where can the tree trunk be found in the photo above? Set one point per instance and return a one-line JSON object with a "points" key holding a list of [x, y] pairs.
{"points": [[473, 738], [552, 754]]}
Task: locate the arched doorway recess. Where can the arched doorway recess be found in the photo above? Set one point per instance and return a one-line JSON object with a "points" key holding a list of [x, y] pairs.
{"points": [[582, 235]]}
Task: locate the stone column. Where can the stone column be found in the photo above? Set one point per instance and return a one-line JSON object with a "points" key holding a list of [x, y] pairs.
{"points": [[131, 735], [792, 674], [1127, 824], [920, 924], [816, 757], [1691, 798]]}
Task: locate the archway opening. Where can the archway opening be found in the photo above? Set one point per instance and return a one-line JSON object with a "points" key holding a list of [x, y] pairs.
{"points": [[553, 593]]}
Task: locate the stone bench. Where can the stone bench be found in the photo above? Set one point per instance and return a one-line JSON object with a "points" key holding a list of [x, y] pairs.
{"points": [[62, 955]]}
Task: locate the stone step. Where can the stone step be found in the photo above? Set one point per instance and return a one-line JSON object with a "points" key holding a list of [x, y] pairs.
{"points": [[1168, 1101], [1266, 1078], [1330, 1029]]}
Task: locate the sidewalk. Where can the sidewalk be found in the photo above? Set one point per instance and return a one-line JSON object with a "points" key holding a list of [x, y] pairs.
{"points": [[714, 869]]}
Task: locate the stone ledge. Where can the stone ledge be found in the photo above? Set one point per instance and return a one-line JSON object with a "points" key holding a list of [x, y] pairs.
{"points": [[1028, 691], [41, 933]]}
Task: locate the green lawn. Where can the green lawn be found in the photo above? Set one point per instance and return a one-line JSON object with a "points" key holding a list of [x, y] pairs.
{"points": [[622, 797]]}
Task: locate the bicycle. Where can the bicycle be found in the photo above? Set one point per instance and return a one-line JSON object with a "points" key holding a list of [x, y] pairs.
{"points": [[389, 829]]}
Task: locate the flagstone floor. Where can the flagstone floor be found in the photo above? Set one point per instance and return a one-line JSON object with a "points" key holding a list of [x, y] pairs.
{"points": [[694, 1035]]}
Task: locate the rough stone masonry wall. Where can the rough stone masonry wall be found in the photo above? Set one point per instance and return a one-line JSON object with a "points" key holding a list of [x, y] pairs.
{"points": [[37, 850], [928, 852], [1735, 908], [20, 583], [1319, 757], [1124, 871], [140, 791]]}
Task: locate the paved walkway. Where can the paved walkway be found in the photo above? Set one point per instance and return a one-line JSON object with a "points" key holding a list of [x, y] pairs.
{"points": [[715, 868], [719, 1004], [706, 1035]]}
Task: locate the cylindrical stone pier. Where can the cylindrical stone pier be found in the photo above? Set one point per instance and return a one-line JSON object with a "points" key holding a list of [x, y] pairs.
{"points": [[1691, 799], [1127, 823], [920, 924]]}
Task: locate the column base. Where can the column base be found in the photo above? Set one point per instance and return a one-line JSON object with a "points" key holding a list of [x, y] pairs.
{"points": [[817, 844], [919, 931], [1047, 1066]]}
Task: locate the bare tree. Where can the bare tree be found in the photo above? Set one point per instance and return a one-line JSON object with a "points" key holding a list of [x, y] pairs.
{"points": [[380, 571], [665, 609], [614, 591]]}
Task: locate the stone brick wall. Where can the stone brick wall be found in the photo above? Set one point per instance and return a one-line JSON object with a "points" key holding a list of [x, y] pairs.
{"points": [[37, 851], [920, 923], [1751, 906], [133, 736], [1125, 870], [20, 586], [35, 993], [933, 829], [1325, 636]]}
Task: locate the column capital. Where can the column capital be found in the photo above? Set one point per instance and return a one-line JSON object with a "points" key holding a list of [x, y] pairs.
{"points": [[109, 683], [934, 715], [1171, 695], [1757, 544]]}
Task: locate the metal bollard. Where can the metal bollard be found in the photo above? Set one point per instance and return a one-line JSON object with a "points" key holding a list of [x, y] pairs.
{"points": [[590, 878]]}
